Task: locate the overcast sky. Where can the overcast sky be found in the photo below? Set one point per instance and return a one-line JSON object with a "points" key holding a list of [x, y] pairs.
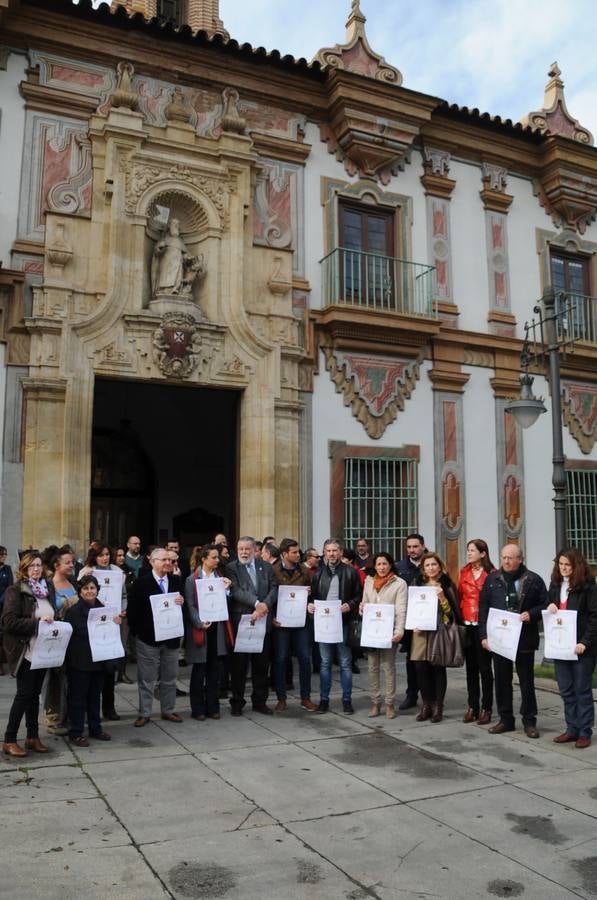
{"points": [[490, 54]]}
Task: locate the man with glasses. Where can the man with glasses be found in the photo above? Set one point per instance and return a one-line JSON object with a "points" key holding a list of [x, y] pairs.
{"points": [[156, 660]]}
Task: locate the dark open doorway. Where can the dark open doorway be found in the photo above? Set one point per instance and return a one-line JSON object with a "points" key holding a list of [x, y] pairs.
{"points": [[164, 462]]}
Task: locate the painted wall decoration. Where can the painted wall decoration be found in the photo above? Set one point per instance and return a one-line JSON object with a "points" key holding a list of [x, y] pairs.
{"points": [[439, 238], [449, 478], [57, 173], [375, 387], [510, 476], [497, 250], [579, 408]]}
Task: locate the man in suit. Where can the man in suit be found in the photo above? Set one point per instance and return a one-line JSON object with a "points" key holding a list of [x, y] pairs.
{"points": [[156, 660], [253, 591], [408, 569]]}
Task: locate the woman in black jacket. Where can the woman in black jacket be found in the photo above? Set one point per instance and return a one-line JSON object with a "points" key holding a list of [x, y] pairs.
{"points": [[572, 587], [432, 679], [85, 677]]}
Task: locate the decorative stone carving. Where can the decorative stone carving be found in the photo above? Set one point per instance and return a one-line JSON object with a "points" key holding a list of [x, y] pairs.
{"points": [[272, 224], [173, 269], [374, 387], [125, 96], [277, 283], [554, 118], [495, 178], [178, 346], [438, 160], [71, 195], [59, 253], [178, 109], [579, 407], [231, 118], [356, 55], [139, 178]]}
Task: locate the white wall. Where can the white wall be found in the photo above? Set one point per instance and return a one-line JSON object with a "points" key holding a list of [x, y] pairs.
{"points": [[469, 248], [12, 124]]}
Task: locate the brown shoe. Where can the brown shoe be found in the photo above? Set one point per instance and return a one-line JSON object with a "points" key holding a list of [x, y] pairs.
{"points": [[500, 728], [200, 717], [484, 717], [425, 713], [390, 711], [470, 715], [36, 744], [531, 731], [565, 738], [280, 706], [171, 717], [308, 704], [437, 713], [582, 743], [215, 715], [141, 721], [374, 711], [13, 750]]}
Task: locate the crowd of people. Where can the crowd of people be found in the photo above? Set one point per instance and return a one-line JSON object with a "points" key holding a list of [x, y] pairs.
{"points": [[53, 585]]}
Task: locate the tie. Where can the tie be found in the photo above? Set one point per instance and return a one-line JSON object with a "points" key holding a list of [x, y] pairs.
{"points": [[252, 574], [162, 588]]}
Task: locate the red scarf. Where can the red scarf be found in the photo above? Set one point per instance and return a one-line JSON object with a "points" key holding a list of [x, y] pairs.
{"points": [[378, 581]]}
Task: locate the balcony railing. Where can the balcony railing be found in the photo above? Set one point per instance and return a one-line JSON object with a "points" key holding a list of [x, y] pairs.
{"points": [[576, 317], [370, 281]]}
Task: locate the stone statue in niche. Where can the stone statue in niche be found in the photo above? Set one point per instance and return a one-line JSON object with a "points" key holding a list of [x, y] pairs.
{"points": [[173, 270]]}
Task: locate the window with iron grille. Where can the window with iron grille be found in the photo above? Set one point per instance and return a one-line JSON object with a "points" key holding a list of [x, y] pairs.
{"points": [[582, 511], [170, 11], [380, 501]]}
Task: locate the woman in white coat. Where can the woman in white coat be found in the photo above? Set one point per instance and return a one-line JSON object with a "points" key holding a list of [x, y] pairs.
{"points": [[385, 587]]}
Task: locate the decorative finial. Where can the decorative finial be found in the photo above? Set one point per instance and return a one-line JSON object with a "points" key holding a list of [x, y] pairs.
{"points": [[231, 118], [554, 118], [125, 96], [356, 55], [178, 110]]}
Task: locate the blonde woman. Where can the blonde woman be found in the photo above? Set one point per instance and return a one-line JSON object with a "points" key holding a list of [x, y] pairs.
{"points": [[385, 587]]}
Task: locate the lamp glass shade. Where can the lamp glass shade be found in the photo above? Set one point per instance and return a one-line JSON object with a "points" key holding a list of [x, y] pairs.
{"points": [[527, 411]]}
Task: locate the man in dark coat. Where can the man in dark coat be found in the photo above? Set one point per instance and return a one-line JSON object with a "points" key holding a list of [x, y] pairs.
{"points": [[516, 589], [408, 569]]}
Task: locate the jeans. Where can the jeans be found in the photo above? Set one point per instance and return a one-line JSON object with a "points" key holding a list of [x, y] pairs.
{"points": [[325, 675], [525, 669], [575, 684], [25, 703], [84, 692], [299, 640], [478, 667]]}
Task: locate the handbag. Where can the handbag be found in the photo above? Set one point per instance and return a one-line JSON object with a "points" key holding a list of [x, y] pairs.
{"points": [[198, 636], [447, 646], [353, 639]]}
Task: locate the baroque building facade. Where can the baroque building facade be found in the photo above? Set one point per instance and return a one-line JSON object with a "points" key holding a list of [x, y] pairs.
{"points": [[243, 291]]}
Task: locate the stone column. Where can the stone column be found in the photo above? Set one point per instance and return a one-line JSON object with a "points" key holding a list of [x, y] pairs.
{"points": [[287, 520]]}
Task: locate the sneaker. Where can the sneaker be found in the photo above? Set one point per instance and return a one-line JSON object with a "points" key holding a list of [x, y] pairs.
{"points": [[324, 706], [348, 708]]}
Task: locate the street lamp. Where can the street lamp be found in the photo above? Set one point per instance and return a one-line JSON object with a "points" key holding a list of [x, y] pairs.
{"points": [[528, 408]]}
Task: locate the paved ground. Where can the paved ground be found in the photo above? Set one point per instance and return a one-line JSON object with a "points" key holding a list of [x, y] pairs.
{"points": [[302, 806]]}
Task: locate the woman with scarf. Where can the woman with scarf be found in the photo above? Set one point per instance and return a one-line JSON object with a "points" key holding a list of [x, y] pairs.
{"points": [[573, 587], [385, 587], [478, 660], [26, 603], [432, 679], [85, 677]]}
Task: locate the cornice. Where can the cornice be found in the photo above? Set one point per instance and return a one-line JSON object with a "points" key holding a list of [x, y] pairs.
{"points": [[438, 185], [281, 148], [496, 201], [448, 380]]}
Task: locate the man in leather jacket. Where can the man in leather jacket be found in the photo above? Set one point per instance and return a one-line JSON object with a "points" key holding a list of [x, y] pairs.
{"points": [[336, 581], [516, 589]]}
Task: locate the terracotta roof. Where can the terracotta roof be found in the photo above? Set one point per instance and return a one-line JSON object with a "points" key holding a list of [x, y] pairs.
{"points": [[475, 116]]}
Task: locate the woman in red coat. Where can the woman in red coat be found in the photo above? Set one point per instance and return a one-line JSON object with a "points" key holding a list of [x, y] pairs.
{"points": [[478, 660]]}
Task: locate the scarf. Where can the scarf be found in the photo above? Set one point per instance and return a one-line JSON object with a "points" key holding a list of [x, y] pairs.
{"points": [[39, 589], [379, 581], [512, 598]]}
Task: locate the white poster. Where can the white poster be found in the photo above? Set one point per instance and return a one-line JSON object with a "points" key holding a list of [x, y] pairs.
{"points": [[167, 616], [110, 587], [250, 635], [50, 644], [211, 599], [560, 634], [292, 605], [503, 632], [378, 625], [104, 635], [421, 611], [328, 622]]}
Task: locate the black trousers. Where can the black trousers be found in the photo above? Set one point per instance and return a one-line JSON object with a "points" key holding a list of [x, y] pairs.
{"points": [[239, 665], [84, 692], [205, 678], [433, 681], [25, 703], [478, 668], [525, 669], [108, 696], [412, 683]]}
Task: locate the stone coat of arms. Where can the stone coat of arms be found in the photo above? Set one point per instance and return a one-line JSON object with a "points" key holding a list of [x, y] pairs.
{"points": [[177, 345]]}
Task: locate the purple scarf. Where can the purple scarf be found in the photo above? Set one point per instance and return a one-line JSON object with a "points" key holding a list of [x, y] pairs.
{"points": [[39, 589]]}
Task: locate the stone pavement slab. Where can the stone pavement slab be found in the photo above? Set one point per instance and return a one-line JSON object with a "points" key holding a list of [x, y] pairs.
{"points": [[45, 784], [297, 724], [168, 798], [54, 826], [577, 790], [400, 853], [396, 768], [291, 783], [264, 862], [226, 733], [129, 743]]}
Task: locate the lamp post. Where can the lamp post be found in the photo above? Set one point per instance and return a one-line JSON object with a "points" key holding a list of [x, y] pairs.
{"points": [[528, 408]]}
